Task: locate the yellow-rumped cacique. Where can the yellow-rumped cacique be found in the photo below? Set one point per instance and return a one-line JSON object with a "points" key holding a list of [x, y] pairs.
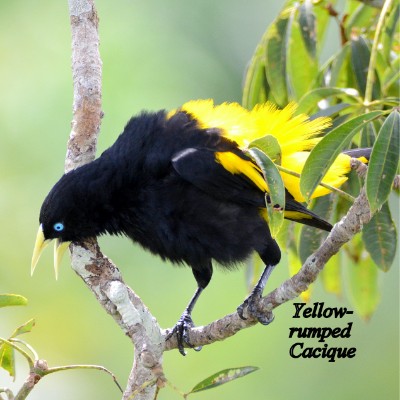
{"points": [[181, 185]]}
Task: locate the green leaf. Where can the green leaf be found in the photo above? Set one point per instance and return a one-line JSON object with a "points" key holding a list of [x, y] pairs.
{"points": [[374, 3], [7, 358], [275, 202], [254, 268], [368, 135], [256, 88], [360, 56], [339, 68], [380, 238], [7, 300], [383, 162], [326, 151], [332, 110], [391, 79], [322, 20], [294, 266], [362, 279], [25, 328], [270, 146], [310, 100], [311, 238], [308, 27], [330, 276], [302, 65], [275, 67], [221, 377], [389, 31], [360, 20]]}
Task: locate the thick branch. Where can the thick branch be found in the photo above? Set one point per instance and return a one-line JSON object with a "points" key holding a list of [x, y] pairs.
{"points": [[97, 271], [86, 73]]}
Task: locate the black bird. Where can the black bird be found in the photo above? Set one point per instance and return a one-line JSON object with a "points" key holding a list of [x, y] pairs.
{"points": [[181, 185]]}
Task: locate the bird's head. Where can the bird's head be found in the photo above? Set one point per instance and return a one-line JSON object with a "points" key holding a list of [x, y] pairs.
{"points": [[64, 218]]}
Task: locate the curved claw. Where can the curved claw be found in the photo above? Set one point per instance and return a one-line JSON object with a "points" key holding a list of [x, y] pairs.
{"points": [[181, 330], [251, 303]]}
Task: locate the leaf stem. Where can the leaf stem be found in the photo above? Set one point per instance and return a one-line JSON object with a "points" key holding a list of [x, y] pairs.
{"points": [[374, 53], [326, 186], [84, 366], [22, 352], [28, 346]]}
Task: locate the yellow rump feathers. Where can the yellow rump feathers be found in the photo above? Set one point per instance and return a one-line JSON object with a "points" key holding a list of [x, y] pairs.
{"points": [[296, 134]]}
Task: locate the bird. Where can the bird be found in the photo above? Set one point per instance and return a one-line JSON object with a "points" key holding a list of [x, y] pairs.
{"points": [[182, 185]]}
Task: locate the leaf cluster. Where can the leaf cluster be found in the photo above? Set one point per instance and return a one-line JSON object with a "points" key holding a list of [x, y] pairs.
{"points": [[358, 88]]}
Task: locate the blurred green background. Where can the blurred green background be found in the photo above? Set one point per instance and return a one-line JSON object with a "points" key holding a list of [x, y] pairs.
{"points": [[156, 54]]}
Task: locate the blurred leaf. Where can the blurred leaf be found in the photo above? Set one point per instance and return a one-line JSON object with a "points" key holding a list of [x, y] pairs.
{"points": [[270, 146], [330, 276], [340, 68], [7, 358], [390, 79], [12, 300], [276, 42], [25, 328], [383, 162], [326, 151], [373, 3], [362, 278], [332, 110], [302, 65], [353, 184], [341, 119], [380, 238], [254, 268], [310, 100], [221, 377], [389, 31], [308, 27], [368, 135], [360, 20], [294, 267], [311, 238], [360, 56], [255, 90], [275, 203], [322, 19]]}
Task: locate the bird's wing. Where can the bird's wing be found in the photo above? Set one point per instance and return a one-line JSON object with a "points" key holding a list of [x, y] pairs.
{"points": [[202, 168], [232, 176]]}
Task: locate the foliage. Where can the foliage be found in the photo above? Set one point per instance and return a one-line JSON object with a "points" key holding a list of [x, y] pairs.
{"points": [[37, 367], [358, 87]]}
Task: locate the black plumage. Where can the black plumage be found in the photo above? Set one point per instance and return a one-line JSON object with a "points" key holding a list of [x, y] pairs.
{"points": [[160, 185]]}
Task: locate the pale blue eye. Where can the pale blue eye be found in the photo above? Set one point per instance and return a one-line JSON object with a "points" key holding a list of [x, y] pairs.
{"points": [[58, 226]]}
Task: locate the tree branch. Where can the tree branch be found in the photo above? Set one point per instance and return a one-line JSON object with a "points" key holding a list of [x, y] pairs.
{"points": [[98, 272]]}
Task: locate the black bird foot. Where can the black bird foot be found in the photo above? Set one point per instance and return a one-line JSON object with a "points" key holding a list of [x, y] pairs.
{"points": [[181, 330], [252, 305]]}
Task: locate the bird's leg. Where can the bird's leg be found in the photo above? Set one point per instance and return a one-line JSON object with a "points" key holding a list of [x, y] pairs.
{"points": [[184, 323], [251, 302]]}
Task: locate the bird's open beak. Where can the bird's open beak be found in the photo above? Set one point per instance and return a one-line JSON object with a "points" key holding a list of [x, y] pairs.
{"points": [[41, 243]]}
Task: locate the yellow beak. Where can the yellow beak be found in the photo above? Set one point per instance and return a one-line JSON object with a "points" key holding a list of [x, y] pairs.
{"points": [[41, 243]]}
